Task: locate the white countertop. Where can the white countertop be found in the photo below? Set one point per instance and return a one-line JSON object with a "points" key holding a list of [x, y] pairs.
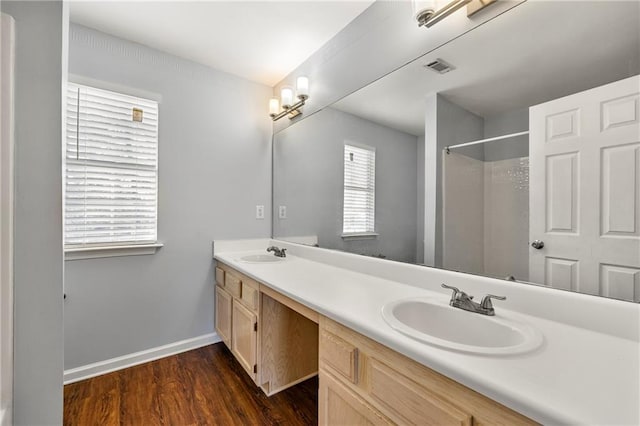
{"points": [[577, 376]]}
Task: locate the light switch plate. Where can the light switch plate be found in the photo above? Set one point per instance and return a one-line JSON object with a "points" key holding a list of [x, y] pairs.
{"points": [[282, 212], [259, 212]]}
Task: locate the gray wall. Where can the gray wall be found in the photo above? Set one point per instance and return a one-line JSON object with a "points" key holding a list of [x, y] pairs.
{"points": [[515, 121], [38, 266], [308, 179], [214, 168]]}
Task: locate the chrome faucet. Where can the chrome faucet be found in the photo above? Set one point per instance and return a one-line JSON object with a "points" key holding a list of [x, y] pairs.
{"points": [[278, 252], [461, 300]]}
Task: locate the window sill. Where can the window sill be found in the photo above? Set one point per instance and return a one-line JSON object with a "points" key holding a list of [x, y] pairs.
{"points": [[111, 251], [360, 236]]}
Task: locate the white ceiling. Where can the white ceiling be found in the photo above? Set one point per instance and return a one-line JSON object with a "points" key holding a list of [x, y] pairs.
{"points": [[262, 41], [536, 52]]}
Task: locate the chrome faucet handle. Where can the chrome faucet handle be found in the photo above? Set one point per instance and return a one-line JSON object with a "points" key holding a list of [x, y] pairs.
{"points": [[457, 293], [486, 301]]}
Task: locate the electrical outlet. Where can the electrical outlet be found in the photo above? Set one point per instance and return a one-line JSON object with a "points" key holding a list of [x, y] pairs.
{"points": [[259, 212], [282, 212]]}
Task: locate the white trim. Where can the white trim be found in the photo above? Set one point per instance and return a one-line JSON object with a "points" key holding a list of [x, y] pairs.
{"points": [[7, 215], [111, 251], [136, 358], [360, 235]]}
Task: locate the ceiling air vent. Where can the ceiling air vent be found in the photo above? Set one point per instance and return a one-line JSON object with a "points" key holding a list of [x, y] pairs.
{"points": [[439, 66]]}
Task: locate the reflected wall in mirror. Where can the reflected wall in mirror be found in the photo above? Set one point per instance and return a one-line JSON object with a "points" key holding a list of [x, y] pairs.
{"points": [[309, 160], [522, 162]]}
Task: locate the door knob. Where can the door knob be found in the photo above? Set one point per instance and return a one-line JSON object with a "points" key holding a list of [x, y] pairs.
{"points": [[537, 244]]}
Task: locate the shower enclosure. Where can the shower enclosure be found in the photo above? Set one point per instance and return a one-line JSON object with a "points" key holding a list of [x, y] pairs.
{"points": [[486, 207]]}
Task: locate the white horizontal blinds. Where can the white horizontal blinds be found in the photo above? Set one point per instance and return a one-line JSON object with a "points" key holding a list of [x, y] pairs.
{"points": [[106, 128], [111, 168], [359, 189], [109, 205]]}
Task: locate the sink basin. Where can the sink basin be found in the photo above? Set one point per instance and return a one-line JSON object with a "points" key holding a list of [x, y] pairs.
{"points": [[261, 258], [435, 322]]}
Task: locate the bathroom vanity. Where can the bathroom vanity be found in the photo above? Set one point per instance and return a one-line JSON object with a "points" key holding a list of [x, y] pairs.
{"points": [[319, 311], [501, 167], [275, 339]]}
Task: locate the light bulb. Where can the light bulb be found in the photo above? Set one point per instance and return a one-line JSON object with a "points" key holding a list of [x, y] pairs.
{"points": [[286, 97], [423, 9], [302, 87], [274, 106]]}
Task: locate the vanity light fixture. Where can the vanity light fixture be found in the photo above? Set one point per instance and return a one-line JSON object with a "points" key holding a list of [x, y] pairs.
{"points": [[286, 99], [429, 12]]}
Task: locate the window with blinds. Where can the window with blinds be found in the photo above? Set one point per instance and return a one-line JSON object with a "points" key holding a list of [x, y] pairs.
{"points": [[359, 190], [111, 168]]}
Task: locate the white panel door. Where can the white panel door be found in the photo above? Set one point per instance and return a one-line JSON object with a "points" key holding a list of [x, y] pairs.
{"points": [[585, 191]]}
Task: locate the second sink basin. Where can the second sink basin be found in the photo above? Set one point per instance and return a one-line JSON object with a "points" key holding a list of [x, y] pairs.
{"points": [[435, 322]]}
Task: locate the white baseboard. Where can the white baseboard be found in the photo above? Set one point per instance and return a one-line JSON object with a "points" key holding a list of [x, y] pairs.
{"points": [[114, 364]]}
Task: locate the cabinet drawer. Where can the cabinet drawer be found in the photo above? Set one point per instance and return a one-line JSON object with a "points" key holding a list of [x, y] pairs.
{"points": [[340, 355], [409, 402], [249, 296], [232, 284], [220, 276]]}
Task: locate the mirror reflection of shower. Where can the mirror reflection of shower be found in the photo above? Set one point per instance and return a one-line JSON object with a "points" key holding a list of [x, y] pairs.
{"points": [[485, 196]]}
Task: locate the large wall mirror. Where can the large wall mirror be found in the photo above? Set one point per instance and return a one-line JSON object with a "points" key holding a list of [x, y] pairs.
{"points": [[512, 151]]}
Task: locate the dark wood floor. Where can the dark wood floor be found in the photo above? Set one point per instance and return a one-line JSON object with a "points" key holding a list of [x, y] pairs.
{"points": [[205, 386]]}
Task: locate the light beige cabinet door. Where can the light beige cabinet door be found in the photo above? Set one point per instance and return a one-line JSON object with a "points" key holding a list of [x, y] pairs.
{"points": [[407, 402], [223, 315], [244, 338], [339, 405]]}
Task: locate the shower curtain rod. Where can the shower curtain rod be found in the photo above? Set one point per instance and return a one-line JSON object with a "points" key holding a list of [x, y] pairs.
{"points": [[497, 138]]}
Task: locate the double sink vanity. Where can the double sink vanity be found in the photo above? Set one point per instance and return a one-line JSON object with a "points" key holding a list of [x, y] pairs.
{"points": [[389, 348], [512, 172]]}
